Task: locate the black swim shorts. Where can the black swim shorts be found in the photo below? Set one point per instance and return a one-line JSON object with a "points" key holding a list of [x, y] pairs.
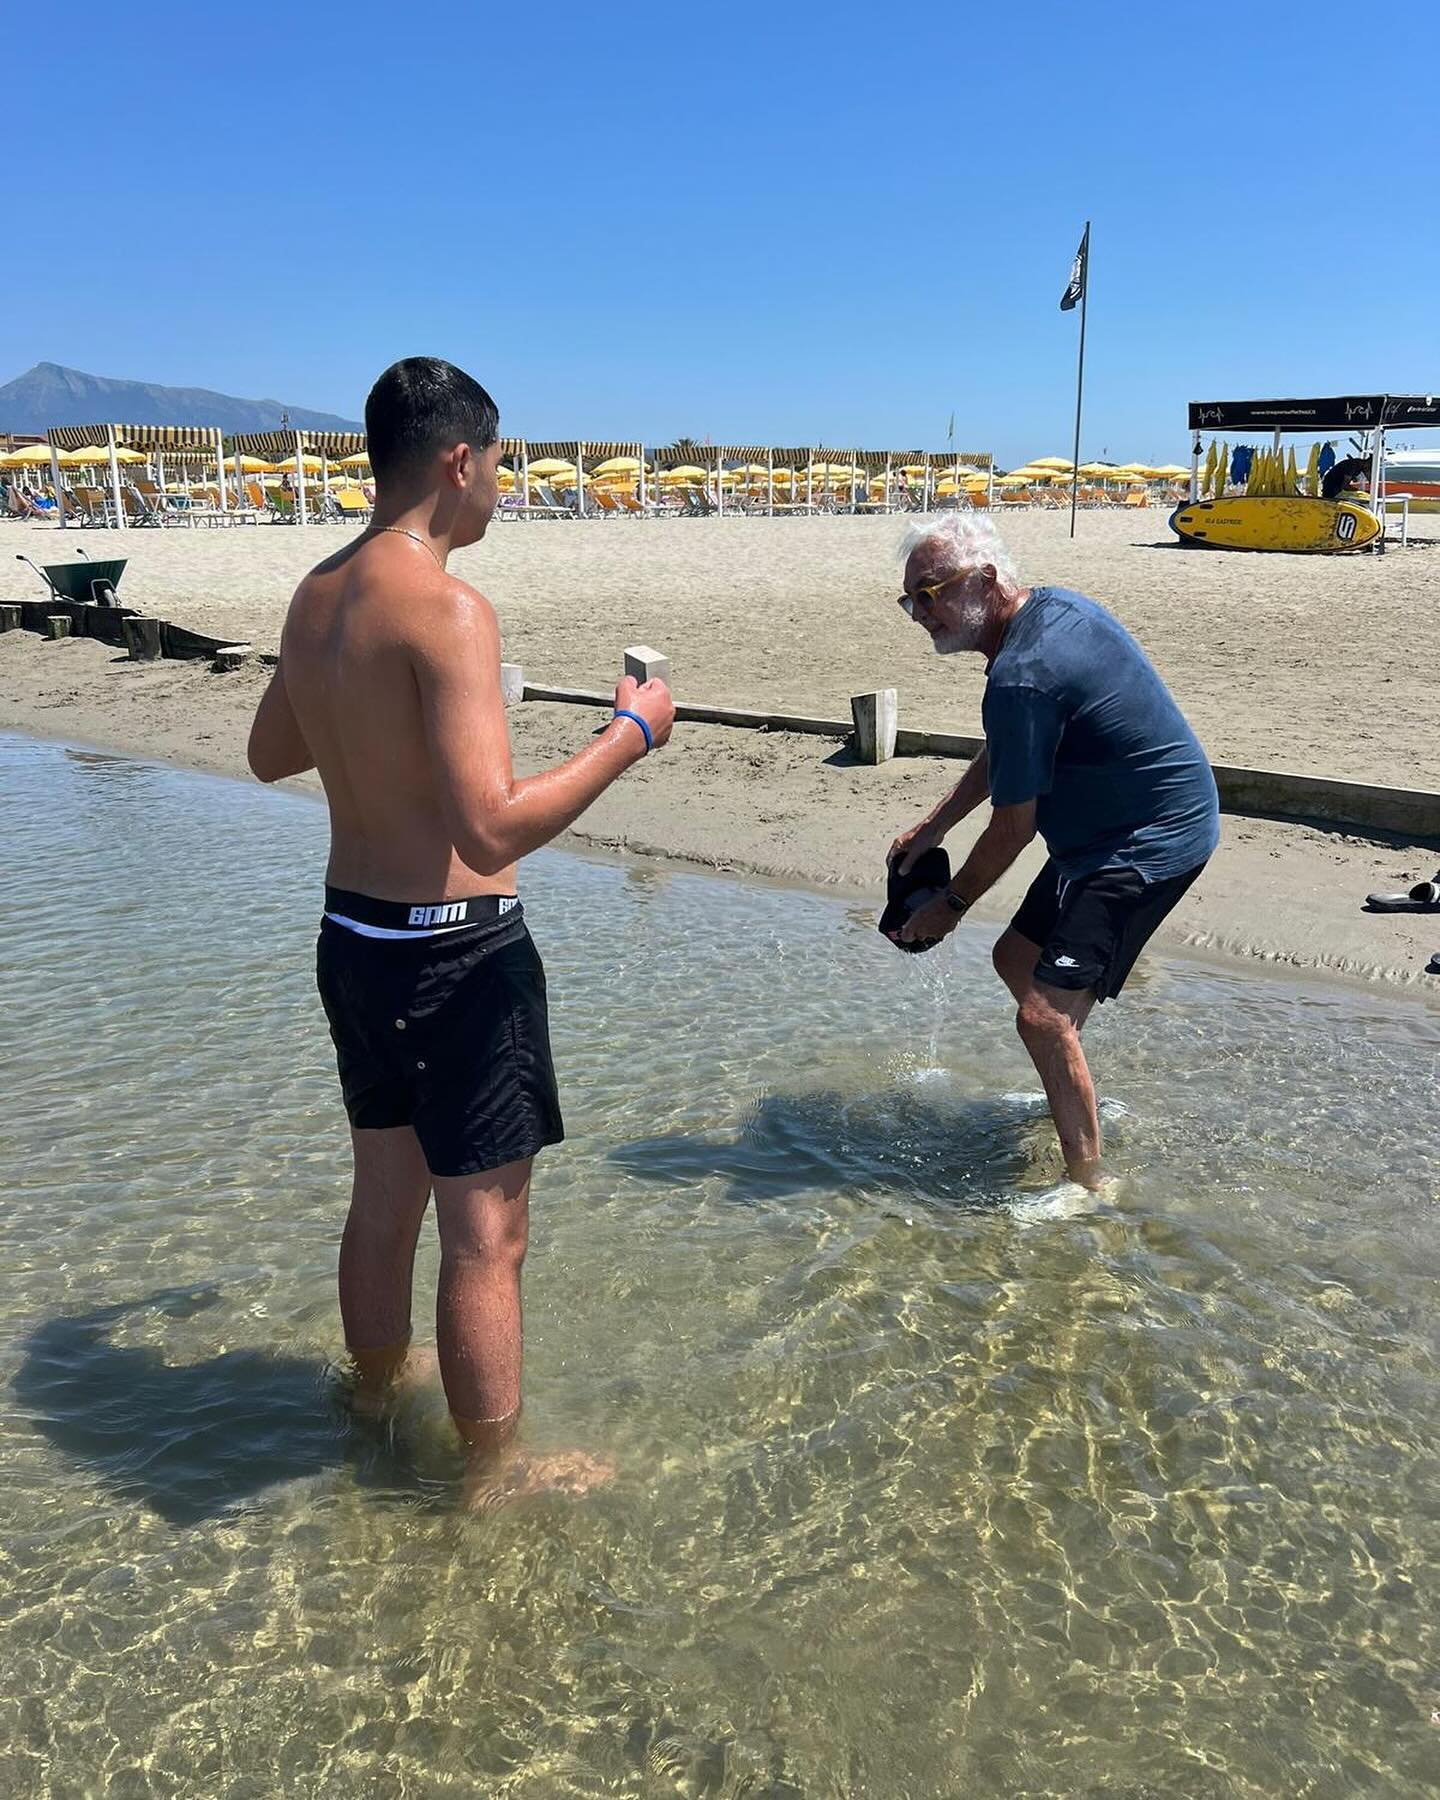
{"points": [[438, 1014], [1091, 930]]}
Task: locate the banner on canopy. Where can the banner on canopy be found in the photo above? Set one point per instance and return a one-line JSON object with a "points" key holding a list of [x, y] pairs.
{"points": [[1337, 412]]}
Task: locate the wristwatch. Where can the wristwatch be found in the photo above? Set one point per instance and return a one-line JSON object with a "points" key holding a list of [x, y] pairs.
{"points": [[955, 903]]}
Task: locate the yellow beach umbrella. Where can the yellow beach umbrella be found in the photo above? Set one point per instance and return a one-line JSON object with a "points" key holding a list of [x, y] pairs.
{"points": [[1049, 462], [28, 456], [619, 465], [1171, 471], [546, 466], [684, 472], [360, 460]]}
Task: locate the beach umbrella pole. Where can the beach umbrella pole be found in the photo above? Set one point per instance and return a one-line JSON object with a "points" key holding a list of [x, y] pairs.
{"points": [[115, 493], [55, 481], [300, 512], [220, 469], [580, 480], [1377, 477]]}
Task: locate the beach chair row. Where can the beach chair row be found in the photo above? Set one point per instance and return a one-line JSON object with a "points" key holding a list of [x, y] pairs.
{"points": [[146, 504]]}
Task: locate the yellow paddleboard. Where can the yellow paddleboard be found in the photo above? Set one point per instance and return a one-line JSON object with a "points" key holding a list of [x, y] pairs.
{"points": [[1276, 522]]}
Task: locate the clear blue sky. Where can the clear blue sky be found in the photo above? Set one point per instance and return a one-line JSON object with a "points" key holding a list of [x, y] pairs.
{"points": [[810, 224]]}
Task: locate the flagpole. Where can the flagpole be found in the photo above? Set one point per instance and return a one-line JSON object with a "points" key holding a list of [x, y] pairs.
{"points": [[1080, 377]]}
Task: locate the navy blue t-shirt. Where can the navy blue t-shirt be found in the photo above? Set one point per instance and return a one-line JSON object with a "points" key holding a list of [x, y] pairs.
{"points": [[1077, 720]]}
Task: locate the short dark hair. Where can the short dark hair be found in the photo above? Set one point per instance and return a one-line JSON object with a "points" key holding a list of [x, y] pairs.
{"points": [[421, 406]]}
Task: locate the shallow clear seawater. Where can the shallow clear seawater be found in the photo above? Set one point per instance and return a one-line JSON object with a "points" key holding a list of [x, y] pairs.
{"points": [[918, 1496]]}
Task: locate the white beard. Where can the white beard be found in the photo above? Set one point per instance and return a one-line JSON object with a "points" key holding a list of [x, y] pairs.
{"points": [[968, 630]]}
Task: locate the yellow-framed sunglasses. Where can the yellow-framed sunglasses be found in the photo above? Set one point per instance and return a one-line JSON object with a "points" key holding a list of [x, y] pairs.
{"points": [[925, 594]]}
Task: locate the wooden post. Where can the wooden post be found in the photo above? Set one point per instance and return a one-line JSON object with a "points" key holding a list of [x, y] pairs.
{"points": [[142, 639], [57, 626], [876, 719], [512, 683], [646, 664], [230, 657], [9, 618]]}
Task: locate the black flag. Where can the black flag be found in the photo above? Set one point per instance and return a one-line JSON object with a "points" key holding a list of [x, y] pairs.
{"points": [[1079, 269]]}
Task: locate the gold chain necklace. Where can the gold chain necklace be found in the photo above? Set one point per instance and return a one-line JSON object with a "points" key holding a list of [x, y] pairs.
{"points": [[415, 538]]}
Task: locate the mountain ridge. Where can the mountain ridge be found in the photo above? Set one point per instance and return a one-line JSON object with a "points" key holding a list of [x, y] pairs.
{"points": [[51, 394]]}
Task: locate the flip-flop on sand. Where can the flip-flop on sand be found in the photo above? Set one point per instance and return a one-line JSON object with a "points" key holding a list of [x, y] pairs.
{"points": [[1423, 897]]}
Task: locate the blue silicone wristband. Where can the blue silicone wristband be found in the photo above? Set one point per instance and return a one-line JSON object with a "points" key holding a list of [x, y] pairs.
{"points": [[623, 712]]}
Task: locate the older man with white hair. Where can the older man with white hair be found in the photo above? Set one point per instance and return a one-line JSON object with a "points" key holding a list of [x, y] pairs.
{"points": [[1084, 745]]}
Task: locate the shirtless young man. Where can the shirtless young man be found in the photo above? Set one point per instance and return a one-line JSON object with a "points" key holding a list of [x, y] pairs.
{"points": [[389, 684]]}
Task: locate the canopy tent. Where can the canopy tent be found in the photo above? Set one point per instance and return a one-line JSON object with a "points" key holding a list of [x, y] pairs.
{"points": [[136, 444], [303, 452], [572, 454], [1370, 414]]}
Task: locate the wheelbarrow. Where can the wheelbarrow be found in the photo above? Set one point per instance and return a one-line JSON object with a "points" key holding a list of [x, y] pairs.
{"points": [[89, 583]]}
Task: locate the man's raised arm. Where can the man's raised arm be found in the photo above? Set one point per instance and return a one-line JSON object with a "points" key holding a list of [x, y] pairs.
{"points": [[493, 818]]}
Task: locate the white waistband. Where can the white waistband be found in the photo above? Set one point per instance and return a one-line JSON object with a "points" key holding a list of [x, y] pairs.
{"points": [[384, 931]]}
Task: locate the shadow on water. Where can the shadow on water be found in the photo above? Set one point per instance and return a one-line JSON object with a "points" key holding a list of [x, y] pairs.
{"points": [[915, 1141], [191, 1440]]}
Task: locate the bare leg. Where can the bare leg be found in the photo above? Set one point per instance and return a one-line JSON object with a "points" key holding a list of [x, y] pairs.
{"points": [[484, 1230], [1049, 1020], [1015, 958], [377, 1254]]}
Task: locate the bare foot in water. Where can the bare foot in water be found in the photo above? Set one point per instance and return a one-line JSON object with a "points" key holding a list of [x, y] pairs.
{"points": [[532, 1474], [372, 1399]]}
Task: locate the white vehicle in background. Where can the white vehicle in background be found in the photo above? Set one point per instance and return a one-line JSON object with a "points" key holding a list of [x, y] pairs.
{"points": [[1417, 473]]}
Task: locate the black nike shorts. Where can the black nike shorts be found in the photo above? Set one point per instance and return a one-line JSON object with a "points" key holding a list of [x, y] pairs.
{"points": [[1091, 930], [445, 1031]]}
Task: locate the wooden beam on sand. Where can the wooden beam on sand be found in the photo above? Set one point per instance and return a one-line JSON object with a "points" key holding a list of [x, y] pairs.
{"points": [[1282, 794], [1409, 813]]}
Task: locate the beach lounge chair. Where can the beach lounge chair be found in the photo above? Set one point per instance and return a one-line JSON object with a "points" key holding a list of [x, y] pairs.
{"points": [[1138, 497], [350, 503], [549, 501], [138, 509], [25, 506], [282, 506], [541, 505], [94, 503]]}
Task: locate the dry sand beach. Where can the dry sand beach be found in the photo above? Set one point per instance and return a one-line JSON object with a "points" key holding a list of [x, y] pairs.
{"points": [[1322, 667]]}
